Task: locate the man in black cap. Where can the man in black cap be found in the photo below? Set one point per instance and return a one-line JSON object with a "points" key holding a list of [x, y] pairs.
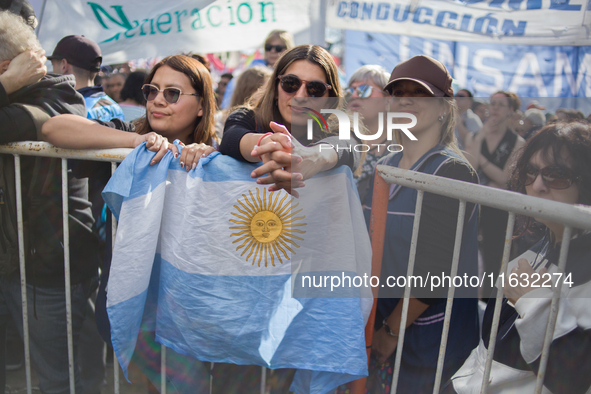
{"points": [[81, 57], [28, 97]]}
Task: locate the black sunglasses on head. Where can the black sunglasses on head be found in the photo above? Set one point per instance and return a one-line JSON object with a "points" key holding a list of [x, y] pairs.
{"points": [[171, 95], [277, 48], [554, 177], [291, 83]]}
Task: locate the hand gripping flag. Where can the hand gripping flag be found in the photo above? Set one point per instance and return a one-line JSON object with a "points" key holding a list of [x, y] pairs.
{"points": [[223, 270]]}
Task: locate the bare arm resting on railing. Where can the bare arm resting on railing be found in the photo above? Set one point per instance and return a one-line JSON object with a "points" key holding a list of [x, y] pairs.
{"points": [[76, 132]]}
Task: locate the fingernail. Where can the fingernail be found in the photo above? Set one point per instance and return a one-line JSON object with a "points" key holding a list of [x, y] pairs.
{"points": [[153, 162], [259, 181], [194, 166], [182, 164], [253, 175], [176, 155]]}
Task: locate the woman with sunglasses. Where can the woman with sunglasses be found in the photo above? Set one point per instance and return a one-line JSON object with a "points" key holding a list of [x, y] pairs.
{"points": [[271, 123], [491, 153], [179, 105], [276, 43], [366, 97], [421, 86], [554, 165]]}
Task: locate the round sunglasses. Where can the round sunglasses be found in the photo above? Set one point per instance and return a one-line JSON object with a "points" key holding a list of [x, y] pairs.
{"points": [[291, 84], [277, 48], [363, 91], [171, 95], [554, 177]]}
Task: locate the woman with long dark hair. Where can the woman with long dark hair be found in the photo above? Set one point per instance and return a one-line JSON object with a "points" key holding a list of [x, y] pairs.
{"points": [[274, 120]]}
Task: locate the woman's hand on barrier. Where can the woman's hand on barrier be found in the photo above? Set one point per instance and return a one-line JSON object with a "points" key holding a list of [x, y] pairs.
{"points": [[156, 143], [191, 154], [525, 277], [383, 345], [25, 69]]}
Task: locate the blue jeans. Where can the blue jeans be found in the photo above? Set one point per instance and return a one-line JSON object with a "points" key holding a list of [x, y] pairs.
{"points": [[47, 329]]}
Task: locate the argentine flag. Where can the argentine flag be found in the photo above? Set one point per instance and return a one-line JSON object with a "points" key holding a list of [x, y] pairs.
{"points": [[209, 261]]}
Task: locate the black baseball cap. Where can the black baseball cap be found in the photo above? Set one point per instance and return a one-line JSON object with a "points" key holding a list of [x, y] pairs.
{"points": [[79, 51]]}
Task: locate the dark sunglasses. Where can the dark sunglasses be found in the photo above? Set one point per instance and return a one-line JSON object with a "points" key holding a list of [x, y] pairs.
{"points": [[554, 177], [291, 83], [171, 95], [277, 48], [363, 91]]}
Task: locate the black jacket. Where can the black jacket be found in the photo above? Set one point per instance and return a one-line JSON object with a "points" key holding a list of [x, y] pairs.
{"points": [[21, 115]]}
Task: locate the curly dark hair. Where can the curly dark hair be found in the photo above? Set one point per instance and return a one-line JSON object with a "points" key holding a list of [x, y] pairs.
{"points": [[553, 141]]}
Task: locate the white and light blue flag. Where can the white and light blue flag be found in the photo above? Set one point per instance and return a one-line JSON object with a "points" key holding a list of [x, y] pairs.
{"points": [[209, 261]]}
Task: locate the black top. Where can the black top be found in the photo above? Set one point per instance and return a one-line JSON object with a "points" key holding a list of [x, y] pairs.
{"points": [[243, 121], [500, 155], [569, 365], [42, 199]]}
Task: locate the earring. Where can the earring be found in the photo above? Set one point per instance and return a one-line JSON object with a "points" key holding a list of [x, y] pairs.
{"points": [[441, 117]]}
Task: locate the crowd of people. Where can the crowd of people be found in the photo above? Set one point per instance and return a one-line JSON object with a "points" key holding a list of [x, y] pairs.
{"points": [[258, 117]]}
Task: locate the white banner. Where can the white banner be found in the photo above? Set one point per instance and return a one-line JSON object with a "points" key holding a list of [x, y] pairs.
{"points": [[528, 22], [137, 29]]}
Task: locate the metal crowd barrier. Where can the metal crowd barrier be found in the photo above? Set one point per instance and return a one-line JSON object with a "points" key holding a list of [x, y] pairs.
{"points": [[29, 148], [571, 216]]}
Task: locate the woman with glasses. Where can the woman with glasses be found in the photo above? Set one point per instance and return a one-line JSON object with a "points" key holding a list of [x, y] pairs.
{"points": [[366, 97], [491, 152], [554, 165], [421, 86], [276, 43], [273, 123], [179, 105]]}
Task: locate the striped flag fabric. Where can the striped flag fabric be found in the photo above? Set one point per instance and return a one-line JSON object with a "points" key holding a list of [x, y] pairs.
{"points": [[223, 270]]}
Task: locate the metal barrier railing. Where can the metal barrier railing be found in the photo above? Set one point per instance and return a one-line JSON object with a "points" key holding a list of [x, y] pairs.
{"points": [[571, 216], [29, 148], [515, 203]]}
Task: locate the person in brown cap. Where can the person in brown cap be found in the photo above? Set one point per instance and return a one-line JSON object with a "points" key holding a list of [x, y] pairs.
{"points": [[422, 86]]}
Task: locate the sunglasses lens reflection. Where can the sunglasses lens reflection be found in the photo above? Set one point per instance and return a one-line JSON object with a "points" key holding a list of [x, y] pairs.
{"points": [[291, 84]]}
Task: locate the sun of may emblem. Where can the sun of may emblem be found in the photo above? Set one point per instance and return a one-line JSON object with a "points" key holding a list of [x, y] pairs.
{"points": [[267, 226]]}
